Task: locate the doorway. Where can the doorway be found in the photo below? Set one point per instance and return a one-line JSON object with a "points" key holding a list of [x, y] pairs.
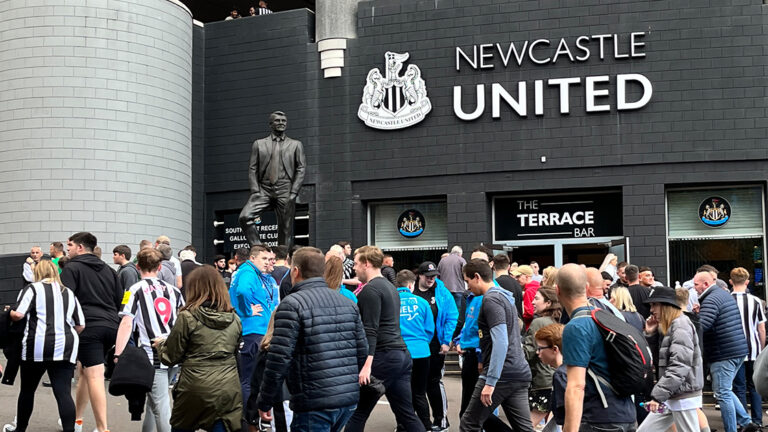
{"points": [[588, 251]]}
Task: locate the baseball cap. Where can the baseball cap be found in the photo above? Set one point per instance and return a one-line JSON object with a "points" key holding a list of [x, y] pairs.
{"points": [[428, 268], [523, 270]]}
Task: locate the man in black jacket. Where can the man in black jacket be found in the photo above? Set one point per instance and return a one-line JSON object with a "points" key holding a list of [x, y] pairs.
{"points": [[318, 347], [97, 289]]}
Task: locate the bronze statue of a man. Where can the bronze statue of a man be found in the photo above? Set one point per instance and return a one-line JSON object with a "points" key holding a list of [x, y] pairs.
{"points": [[275, 174]]}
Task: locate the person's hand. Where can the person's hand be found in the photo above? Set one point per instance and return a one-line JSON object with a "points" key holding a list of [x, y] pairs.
{"points": [[30, 260], [293, 196], [365, 375], [480, 367], [486, 395], [156, 342], [696, 308], [652, 406], [651, 324], [266, 416], [459, 350], [444, 349], [256, 310]]}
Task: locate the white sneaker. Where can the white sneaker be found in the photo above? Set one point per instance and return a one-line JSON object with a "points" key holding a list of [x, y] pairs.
{"points": [[78, 426], [10, 427]]}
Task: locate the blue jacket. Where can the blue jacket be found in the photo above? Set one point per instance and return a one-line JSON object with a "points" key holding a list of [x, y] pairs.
{"points": [[447, 314], [469, 337], [417, 324], [250, 287], [348, 294], [721, 323]]}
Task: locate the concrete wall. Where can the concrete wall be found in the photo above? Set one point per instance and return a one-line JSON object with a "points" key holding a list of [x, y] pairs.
{"points": [[95, 121]]}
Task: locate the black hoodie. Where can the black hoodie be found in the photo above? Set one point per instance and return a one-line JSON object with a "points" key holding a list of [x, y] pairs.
{"points": [[97, 289]]}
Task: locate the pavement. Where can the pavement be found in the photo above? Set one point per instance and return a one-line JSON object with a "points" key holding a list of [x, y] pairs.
{"points": [[45, 415]]}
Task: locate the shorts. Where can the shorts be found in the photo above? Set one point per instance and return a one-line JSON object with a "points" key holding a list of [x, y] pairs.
{"points": [[538, 399], [95, 342]]}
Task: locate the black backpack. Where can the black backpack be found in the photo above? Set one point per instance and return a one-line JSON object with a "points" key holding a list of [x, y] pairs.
{"points": [[630, 361]]}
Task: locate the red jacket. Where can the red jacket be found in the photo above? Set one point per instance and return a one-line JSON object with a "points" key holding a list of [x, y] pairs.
{"points": [[530, 292]]}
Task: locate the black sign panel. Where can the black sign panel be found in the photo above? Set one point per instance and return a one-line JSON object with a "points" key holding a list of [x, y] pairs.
{"points": [[229, 235], [558, 216]]}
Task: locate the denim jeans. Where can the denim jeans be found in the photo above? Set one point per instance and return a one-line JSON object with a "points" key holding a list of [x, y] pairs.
{"points": [[217, 427], [159, 404], [731, 410], [322, 421], [744, 389]]}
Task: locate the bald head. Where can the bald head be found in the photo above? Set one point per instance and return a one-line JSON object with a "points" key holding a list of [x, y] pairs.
{"points": [[571, 281], [702, 281], [594, 283]]}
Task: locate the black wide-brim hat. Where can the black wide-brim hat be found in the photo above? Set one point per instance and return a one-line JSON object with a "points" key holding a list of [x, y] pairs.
{"points": [[663, 295]]}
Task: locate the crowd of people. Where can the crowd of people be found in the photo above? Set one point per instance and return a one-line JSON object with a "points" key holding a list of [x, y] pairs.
{"points": [[305, 340], [262, 9]]}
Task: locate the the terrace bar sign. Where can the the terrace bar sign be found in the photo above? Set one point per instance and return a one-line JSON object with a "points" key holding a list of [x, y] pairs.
{"points": [[581, 49], [557, 216]]}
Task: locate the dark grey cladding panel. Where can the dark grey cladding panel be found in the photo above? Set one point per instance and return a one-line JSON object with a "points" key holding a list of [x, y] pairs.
{"points": [[705, 123], [11, 281]]}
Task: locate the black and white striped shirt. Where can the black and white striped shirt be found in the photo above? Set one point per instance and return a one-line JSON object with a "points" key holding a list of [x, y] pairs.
{"points": [[752, 314], [52, 313], [263, 11], [153, 305]]}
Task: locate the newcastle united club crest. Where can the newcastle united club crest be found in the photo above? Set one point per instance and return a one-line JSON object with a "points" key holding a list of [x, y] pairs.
{"points": [[411, 223], [393, 101], [715, 211]]}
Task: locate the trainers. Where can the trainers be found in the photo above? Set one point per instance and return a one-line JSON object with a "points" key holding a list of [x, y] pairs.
{"points": [[79, 425], [752, 427], [61, 427], [10, 427], [263, 427]]}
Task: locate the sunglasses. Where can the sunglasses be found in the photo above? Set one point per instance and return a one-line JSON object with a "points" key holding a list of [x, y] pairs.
{"points": [[541, 348]]}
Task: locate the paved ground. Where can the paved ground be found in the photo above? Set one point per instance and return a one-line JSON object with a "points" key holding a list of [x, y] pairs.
{"points": [[45, 414]]}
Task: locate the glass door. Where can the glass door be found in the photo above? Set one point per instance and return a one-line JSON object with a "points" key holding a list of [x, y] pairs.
{"points": [[542, 254]]}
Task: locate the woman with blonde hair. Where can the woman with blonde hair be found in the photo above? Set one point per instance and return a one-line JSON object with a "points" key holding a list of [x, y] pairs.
{"points": [[205, 340], [548, 276], [547, 310], [333, 275], [621, 298], [681, 373], [50, 343], [609, 265]]}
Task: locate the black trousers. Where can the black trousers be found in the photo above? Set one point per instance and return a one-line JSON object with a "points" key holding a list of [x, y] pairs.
{"points": [[276, 197], [60, 373], [393, 368], [435, 388], [419, 381], [469, 376]]}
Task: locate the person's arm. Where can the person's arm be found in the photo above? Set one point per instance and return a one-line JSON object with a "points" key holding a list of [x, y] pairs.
{"points": [[354, 281], [679, 361], [761, 333], [253, 169], [450, 317], [706, 316], [178, 282], [362, 343], [528, 304], [77, 316], [123, 334], [301, 166], [28, 272], [173, 349], [369, 304], [574, 397], [500, 341], [26, 297], [429, 322], [68, 278]]}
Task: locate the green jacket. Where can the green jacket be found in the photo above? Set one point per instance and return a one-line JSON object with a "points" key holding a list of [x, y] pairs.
{"points": [[204, 342], [542, 374]]}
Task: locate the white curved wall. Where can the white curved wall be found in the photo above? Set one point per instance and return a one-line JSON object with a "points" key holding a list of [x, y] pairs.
{"points": [[95, 121]]}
